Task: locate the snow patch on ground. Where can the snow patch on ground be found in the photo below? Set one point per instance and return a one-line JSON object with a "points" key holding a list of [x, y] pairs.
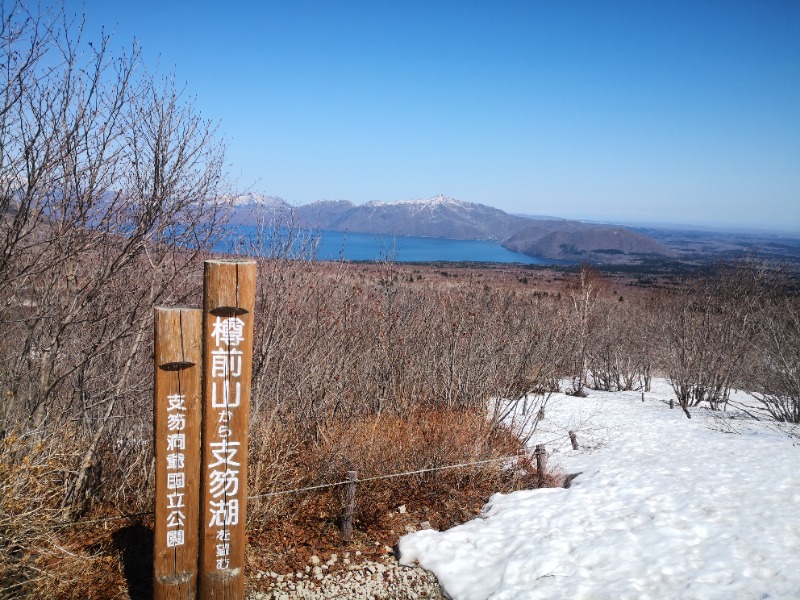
{"points": [[665, 507]]}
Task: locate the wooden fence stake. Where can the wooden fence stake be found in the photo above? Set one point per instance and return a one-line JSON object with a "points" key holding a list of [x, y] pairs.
{"points": [[349, 506], [541, 464], [176, 421], [574, 439], [228, 302], [642, 396]]}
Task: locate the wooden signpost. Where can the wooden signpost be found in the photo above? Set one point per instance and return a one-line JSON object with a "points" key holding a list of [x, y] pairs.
{"points": [[201, 467], [176, 421], [228, 302]]}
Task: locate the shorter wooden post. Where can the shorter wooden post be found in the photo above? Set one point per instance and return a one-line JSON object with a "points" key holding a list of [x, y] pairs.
{"points": [[176, 422], [574, 439], [671, 403], [349, 506], [541, 464], [642, 396]]}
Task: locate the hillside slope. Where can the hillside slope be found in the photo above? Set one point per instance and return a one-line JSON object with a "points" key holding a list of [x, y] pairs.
{"points": [[575, 240]]}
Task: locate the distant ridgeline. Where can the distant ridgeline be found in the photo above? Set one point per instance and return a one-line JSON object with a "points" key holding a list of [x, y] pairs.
{"points": [[550, 238]]}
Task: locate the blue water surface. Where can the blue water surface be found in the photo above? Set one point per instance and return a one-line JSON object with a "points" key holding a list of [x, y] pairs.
{"points": [[335, 245]]}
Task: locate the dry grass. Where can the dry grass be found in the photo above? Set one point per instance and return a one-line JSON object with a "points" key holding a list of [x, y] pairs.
{"points": [[389, 444]]}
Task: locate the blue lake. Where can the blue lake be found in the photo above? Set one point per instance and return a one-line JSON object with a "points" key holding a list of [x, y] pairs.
{"points": [[333, 245]]}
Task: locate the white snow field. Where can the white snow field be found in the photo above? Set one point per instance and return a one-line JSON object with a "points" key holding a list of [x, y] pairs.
{"points": [[666, 507]]}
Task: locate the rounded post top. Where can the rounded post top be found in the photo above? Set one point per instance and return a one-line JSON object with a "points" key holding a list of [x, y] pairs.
{"points": [[229, 286], [229, 261], [177, 337]]}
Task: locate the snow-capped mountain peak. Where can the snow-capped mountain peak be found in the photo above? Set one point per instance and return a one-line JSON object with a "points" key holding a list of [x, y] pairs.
{"points": [[440, 200], [256, 200]]}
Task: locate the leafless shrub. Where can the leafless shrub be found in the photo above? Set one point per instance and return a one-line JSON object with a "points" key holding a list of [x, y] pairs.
{"points": [[583, 294], [109, 187], [708, 329], [621, 347], [109, 193], [775, 378]]}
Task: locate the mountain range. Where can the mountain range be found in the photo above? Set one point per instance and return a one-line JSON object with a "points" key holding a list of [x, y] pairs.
{"points": [[440, 217], [445, 217]]}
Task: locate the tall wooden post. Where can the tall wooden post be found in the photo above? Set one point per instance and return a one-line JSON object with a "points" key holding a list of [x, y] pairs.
{"points": [[176, 422], [228, 302]]}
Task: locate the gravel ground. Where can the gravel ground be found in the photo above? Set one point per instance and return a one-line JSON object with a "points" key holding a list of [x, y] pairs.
{"points": [[342, 579]]}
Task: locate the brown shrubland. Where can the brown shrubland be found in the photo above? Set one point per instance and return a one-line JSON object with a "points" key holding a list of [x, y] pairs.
{"points": [[360, 367]]}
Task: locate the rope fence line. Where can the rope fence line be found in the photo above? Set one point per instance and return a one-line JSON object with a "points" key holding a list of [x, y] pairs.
{"points": [[377, 477], [313, 488]]}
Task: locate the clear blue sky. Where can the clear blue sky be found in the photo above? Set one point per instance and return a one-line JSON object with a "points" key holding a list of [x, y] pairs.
{"points": [[683, 112]]}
